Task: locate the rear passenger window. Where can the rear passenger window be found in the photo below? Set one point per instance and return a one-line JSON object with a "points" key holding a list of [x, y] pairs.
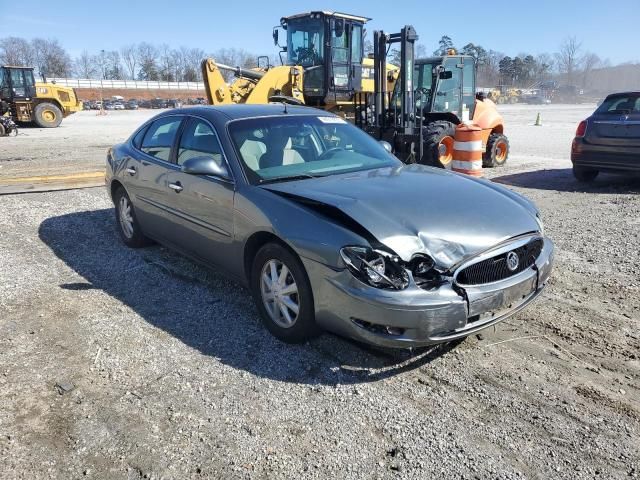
{"points": [[199, 140], [160, 136]]}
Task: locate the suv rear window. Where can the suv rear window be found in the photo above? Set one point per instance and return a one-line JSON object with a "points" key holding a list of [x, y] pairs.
{"points": [[620, 105]]}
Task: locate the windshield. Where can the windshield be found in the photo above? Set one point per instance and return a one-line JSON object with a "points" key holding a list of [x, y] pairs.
{"points": [[305, 39], [287, 147], [423, 75], [620, 105]]}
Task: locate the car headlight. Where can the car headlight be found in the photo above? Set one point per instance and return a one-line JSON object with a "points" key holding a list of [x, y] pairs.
{"points": [[375, 268], [540, 224]]}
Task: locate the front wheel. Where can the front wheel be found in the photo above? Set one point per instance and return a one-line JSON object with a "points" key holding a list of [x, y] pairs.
{"points": [[438, 144], [282, 293], [47, 115]]}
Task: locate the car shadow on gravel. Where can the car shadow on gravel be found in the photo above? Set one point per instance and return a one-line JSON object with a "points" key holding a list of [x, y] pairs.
{"points": [[205, 310], [563, 180]]}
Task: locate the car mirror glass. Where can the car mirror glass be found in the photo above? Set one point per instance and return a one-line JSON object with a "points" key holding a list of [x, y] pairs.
{"points": [[204, 165]]}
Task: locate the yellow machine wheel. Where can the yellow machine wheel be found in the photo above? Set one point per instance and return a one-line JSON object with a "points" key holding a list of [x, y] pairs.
{"points": [[47, 115]]}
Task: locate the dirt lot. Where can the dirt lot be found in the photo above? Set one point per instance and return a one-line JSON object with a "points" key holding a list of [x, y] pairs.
{"points": [[117, 363]]}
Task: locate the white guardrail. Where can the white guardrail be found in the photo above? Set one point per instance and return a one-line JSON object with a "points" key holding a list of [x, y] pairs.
{"points": [[126, 84]]}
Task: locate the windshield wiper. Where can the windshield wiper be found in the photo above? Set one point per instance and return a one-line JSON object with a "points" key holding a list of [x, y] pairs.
{"points": [[288, 178]]}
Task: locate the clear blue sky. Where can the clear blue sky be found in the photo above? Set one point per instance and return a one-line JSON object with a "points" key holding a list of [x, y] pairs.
{"points": [[611, 29]]}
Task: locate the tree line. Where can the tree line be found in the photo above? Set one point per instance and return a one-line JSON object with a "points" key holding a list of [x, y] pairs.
{"points": [[570, 65], [142, 61]]}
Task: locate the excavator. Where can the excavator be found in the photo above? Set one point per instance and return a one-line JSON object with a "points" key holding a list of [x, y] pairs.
{"points": [[323, 65]]}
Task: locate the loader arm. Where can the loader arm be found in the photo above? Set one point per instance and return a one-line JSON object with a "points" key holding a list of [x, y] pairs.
{"points": [[217, 90]]}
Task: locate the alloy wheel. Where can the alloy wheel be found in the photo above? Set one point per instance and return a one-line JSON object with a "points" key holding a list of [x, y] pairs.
{"points": [[125, 216], [279, 292]]}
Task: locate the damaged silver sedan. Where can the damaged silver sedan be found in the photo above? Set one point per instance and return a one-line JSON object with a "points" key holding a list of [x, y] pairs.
{"points": [[327, 229]]}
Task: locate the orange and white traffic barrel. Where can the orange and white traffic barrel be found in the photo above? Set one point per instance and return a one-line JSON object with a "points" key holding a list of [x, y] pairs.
{"points": [[467, 150]]}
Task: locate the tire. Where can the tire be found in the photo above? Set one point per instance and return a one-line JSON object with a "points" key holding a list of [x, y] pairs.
{"points": [[3, 132], [129, 231], [47, 115], [497, 151], [585, 175], [303, 325], [438, 144]]}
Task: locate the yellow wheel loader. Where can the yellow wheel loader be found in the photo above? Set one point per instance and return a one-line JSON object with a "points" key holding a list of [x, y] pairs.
{"points": [[26, 100], [323, 65]]}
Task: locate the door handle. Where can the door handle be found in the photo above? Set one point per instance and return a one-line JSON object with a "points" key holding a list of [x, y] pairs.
{"points": [[176, 187], [131, 171]]}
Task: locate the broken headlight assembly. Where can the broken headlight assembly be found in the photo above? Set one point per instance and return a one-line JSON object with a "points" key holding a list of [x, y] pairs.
{"points": [[375, 268]]}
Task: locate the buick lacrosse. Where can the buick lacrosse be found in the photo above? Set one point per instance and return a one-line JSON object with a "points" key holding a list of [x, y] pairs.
{"points": [[325, 227]]}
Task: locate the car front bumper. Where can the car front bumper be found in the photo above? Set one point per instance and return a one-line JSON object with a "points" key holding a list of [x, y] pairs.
{"points": [[415, 316]]}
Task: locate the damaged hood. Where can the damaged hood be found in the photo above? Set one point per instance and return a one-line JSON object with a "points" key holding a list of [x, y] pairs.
{"points": [[413, 209]]}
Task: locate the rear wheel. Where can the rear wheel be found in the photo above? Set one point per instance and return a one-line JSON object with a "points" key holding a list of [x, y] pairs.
{"points": [[585, 175], [497, 151], [47, 115], [128, 226], [282, 293], [3, 132], [438, 144]]}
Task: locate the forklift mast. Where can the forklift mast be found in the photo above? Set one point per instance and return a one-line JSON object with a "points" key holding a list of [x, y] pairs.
{"points": [[407, 39]]}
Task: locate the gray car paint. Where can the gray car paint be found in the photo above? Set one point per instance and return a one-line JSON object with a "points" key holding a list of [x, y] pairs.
{"points": [[409, 209]]}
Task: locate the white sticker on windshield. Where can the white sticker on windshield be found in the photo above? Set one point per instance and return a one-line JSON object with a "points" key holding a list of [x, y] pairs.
{"points": [[331, 120]]}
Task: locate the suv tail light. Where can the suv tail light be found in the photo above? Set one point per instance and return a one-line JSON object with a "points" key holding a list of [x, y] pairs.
{"points": [[582, 128]]}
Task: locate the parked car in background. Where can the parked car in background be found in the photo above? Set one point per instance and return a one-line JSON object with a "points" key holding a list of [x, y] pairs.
{"points": [[118, 106], [174, 103], [294, 202], [131, 105], [159, 103], [609, 140], [96, 105], [108, 105], [144, 104]]}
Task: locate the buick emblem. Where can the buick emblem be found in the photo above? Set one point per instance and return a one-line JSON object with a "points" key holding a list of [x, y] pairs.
{"points": [[512, 261]]}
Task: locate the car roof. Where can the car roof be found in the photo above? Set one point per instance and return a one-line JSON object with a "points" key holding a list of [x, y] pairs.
{"points": [[235, 111], [622, 94]]}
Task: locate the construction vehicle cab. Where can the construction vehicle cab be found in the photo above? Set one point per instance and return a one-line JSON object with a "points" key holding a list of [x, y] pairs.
{"points": [[430, 98], [329, 48], [26, 100]]}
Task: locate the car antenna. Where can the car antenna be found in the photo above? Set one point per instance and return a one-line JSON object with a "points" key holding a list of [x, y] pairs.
{"points": [[285, 107]]}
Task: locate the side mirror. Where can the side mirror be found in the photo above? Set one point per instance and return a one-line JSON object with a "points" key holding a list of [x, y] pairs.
{"points": [[275, 37], [339, 27], [445, 75], [386, 145], [204, 165]]}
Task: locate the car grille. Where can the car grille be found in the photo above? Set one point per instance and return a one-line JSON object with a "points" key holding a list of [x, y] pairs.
{"points": [[495, 269]]}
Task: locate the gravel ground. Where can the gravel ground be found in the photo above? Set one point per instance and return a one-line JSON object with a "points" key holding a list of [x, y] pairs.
{"points": [[117, 363]]}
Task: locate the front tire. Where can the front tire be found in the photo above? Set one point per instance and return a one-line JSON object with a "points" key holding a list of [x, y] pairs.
{"points": [[47, 115], [585, 175], [497, 151], [282, 293], [127, 222], [438, 144]]}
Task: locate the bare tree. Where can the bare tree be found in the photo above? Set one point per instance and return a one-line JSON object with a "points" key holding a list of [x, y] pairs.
{"points": [[129, 54], [86, 65], [148, 60], [590, 61], [16, 51], [113, 70], [568, 59]]}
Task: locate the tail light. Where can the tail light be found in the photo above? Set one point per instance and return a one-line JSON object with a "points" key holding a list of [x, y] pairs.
{"points": [[582, 128]]}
